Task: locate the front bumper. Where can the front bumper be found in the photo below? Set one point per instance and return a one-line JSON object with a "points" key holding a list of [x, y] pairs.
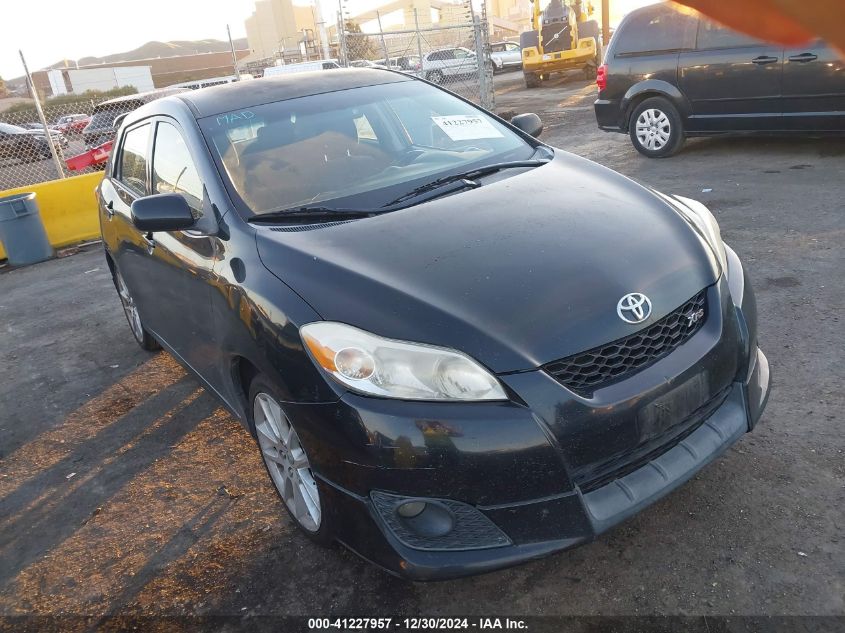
{"points": [[538, 527], [545, 471]]}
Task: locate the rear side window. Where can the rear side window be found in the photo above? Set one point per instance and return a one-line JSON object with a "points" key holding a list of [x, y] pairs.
{"points": [[133, 159], [711, 35], [656, 29]]}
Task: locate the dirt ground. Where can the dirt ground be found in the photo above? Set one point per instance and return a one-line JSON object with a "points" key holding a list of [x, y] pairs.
{"points": [[126, 490]]}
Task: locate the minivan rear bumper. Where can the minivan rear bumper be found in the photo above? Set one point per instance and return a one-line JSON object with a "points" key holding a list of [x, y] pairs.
{"points": [[609, 115]]}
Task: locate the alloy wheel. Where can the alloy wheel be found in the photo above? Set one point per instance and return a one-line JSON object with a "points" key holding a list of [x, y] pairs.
{"points": [[653, 129], [129, 308], [287, 462]]}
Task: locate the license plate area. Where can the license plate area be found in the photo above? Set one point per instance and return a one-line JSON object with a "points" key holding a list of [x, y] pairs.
{"points": [[672, 408]]}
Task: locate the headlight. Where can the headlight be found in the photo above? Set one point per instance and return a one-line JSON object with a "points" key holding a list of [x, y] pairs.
{"points": [[701, 217], [383, 367]]}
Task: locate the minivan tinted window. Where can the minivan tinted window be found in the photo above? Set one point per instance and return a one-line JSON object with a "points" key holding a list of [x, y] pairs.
{"points": [[655, 29], [711, 35]]}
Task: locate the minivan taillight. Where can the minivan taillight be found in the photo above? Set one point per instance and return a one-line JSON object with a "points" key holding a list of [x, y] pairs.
{"points": [[601, 77]]}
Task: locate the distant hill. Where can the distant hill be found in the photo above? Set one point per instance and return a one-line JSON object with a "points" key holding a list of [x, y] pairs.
{"points": [[165, 49], [146, 51]]}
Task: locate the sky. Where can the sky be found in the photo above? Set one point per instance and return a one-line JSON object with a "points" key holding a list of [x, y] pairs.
{"points": [[50, 30]]}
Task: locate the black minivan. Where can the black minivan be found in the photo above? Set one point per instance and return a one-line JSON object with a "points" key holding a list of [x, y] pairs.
{"points": [[669, 74]]}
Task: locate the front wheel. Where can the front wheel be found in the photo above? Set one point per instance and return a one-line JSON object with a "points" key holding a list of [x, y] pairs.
{"points": [[287, 462], [435, 77], [655, 128], [144, 338], [532, 80]]}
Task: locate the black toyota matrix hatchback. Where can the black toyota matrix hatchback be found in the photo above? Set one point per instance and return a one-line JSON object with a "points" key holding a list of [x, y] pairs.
{"points": [[457, 347]]}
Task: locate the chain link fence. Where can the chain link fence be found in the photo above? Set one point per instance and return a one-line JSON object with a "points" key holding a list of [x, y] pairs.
{"points": [[455, 56], [76, 141]]}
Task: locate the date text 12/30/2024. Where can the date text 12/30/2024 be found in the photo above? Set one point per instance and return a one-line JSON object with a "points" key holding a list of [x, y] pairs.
{"points": [[416, 624]]}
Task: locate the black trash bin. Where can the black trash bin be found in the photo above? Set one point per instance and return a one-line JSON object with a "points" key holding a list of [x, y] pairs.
{"points": [[21, 230]]}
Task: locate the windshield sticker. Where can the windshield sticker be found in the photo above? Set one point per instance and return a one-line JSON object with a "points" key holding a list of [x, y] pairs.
{"points": [[462, 127], [235, 117]]}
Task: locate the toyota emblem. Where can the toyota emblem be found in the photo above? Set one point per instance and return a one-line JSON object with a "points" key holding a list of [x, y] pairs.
{"points": [[634, 307]]}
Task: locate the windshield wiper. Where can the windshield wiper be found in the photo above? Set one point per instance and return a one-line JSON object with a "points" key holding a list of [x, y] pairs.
{"points": [[466, 179], [311, 214]]}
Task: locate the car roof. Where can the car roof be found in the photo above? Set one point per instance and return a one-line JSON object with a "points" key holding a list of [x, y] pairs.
{"points": [[246, 94]]}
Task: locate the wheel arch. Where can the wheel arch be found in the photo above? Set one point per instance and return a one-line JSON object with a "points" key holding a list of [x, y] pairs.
{"points": [[638, 93], [243, 371]]}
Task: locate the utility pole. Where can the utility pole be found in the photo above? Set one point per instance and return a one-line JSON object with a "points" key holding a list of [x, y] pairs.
{"points": [[234, 57], [605, 24], [321, 29], [47, 134]]}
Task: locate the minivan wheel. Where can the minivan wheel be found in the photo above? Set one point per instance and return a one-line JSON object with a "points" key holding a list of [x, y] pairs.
{"points": [[144, 338], [655, 128], [287, 462]]}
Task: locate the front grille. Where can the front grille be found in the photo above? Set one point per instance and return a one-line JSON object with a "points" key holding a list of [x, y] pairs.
{"points": [[587, 371]]}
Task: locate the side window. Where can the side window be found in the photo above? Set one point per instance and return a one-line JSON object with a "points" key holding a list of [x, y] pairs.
{"points": [[133, 159], [661, 28], [173, 168], [460, 53], [711, 35], [513, 47], [497, 48]]}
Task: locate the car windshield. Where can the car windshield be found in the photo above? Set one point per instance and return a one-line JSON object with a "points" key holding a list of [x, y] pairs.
{"points": [[353, 149], [11, 129], [104, 118]]}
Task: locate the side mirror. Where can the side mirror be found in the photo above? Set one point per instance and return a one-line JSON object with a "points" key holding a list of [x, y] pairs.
{"points": [[529, 123], [162, 212]]}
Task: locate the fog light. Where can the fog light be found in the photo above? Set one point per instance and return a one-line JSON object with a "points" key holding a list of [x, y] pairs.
{"points": [[411, 509]]}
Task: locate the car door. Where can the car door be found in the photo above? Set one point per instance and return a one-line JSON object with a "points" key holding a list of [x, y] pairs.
{"points": [[512, 55], [732, 81], [814, 88], [464, 62], [127, 181], [178, 265]]}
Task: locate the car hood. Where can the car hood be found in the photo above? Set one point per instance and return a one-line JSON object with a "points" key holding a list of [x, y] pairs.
{"points": [[516, 273]]}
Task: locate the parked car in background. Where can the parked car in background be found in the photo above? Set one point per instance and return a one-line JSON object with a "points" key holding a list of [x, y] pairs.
{"points": [[101, 127], [669, 74], [27, 145], [409, 63], [302, 67], [365, 63], [443, 367], [448, 64], [505, 55], [71, 124]]}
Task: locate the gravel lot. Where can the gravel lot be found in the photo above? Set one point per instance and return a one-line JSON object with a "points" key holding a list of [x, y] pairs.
{"points": [[124, 489]]}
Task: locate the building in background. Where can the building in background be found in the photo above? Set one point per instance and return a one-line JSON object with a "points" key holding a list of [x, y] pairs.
{"points": [[279, 29], [79, 80], [165, 71]]}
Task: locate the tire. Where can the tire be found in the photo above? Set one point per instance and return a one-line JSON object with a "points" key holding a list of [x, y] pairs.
{"points": [[302, 495], [661, 132], [435, 77], [532, 80], [130, 310]]}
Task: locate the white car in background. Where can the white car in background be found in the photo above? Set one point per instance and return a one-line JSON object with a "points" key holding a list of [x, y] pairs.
{"points": [[302, 67], [505, 55], [448, 64]]}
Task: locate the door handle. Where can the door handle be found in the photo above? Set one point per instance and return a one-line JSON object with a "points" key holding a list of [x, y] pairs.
{"points": [[803, 58], [764, 59]]}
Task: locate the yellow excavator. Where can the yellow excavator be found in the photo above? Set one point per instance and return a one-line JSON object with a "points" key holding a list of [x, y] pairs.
{"points": [[562, 38]]}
